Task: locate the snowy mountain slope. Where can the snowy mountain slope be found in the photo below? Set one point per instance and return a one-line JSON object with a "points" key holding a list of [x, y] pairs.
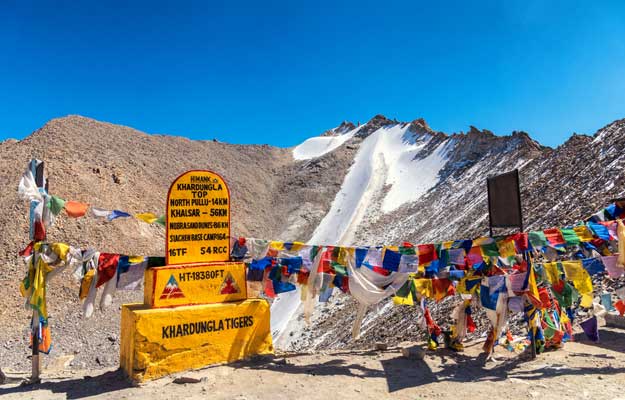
{"points": [[398, 165], [388, 156]]}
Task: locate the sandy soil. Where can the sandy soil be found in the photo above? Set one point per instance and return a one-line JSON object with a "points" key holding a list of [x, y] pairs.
{"points": [[581, 370]]}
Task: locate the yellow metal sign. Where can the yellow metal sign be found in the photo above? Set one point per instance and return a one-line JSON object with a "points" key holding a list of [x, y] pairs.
{"points": [[158, 342], [181, 285], [198, 219]]}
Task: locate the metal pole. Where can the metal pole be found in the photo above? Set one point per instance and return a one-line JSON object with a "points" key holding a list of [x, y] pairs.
{"points": [[490, 218], [518, 182]]}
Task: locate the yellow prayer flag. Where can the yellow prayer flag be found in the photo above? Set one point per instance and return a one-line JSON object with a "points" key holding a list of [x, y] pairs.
{"points": [[447, 245], [403, 301], [461, 288], [586, 301], [86, 284], [575, 272], [344, 254], [532, 286], [60, 249], [135, 259], [552, 274], [276, 245], [482, 241], [506, 248], [424, 287], [583, 233], [421, 269], [296, 246], [147, 217]]}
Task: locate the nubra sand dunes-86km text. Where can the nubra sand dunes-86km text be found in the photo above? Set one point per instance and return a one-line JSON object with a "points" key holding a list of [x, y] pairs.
{"points": [[383, 182]]}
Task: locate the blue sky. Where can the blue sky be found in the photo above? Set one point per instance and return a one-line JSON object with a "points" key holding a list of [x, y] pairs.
{"points": [[279, 72]]}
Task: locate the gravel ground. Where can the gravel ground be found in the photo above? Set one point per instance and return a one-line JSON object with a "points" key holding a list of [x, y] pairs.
{"points": [[578, 371]]}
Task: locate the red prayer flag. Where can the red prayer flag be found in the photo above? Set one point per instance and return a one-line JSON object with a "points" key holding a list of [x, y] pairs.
{"points": [[427, 253], [107, 266], [302, 277], [40, 231], [442, 288], [28, 250], [521, 241], [543, 293], [381, 270], [268, 285], [474, 256], [325, 265], [470, 324], [554, 236], [620, 307]]}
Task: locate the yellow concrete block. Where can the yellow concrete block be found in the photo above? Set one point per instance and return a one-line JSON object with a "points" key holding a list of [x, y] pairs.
{"points": [[159, 342], [182, 285]]}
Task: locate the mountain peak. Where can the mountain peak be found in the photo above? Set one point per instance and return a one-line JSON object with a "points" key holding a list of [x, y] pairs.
{"points": [[374, 124], [72, 128], [484, 133], [379, 119], [344, 127], [420, 126]]}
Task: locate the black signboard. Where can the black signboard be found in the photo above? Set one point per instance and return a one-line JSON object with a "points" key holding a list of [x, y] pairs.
{"points": [[504, 201]]}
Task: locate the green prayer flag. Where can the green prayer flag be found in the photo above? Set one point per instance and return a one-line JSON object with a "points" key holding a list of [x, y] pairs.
{"points": [[339, 269], [407, 250], [490, 249], [160, 220], [537, 239], [56, 204], [404, 291], [314, 251], [570, 236], [568, 296], [407, 294]]}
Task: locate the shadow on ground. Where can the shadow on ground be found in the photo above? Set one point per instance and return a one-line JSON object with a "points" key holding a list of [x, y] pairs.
{"points": [[399, 372], [610, 339], [79, 387], [402, 373]]}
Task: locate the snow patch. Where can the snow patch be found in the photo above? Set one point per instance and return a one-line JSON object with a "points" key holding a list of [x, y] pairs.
{"points": [[410, 178], [283, 310], [386, 157], [356, 192], [318, 146]]}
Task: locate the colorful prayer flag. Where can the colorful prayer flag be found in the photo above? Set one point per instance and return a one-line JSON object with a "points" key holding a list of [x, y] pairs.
{"points": [[76, 209]]}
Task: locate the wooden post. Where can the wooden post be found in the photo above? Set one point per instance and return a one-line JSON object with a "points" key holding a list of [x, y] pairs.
{"points": [[37, 169]]}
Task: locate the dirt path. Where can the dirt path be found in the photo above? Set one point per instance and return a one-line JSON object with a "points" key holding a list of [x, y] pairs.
{"points": [[580, 370]]}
